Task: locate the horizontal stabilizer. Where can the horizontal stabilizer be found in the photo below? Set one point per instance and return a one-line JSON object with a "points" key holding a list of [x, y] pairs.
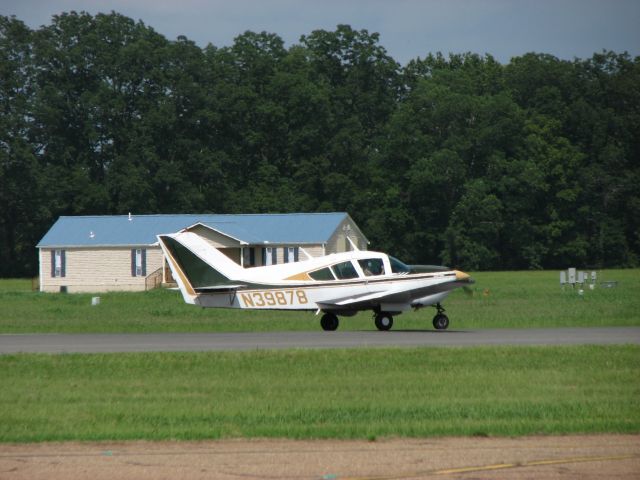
{"points": [[219, 288]]}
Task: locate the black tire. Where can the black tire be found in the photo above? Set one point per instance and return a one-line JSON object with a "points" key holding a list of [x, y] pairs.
{"points": [[440, 321], [384, 322], [329, 322]]}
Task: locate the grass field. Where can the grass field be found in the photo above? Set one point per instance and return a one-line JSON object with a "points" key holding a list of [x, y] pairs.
{"points": [[498, 300], [321, 394]]}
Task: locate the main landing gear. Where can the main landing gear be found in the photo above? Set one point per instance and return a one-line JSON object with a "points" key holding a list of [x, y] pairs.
{"points": [[383, 321], [440, 321], [329, 322]]}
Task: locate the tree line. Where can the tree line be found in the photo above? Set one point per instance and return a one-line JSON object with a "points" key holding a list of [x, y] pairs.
{"points": [[456, 159]]}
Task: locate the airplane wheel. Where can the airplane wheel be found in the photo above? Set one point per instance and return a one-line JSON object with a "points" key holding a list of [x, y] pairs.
{"points": [[329, 322], [384, 321], [440, 321]]}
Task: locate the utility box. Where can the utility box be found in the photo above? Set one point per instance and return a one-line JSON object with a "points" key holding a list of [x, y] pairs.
{"points": [[582, 277]]}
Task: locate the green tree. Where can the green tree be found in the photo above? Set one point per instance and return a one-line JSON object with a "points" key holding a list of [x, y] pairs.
{"points": [[24, 208], [533, 164], [474, 230]]}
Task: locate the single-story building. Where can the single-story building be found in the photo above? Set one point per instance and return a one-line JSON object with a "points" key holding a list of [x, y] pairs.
{"points": [[121, 252]]}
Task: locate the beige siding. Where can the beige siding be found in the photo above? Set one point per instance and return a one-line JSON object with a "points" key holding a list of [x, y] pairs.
{"points": [[259, 250], [214, 238], [97, 270], [338, 241], [42, 267], [109, 268], [232, 253], [227, 245], [313, 250]]}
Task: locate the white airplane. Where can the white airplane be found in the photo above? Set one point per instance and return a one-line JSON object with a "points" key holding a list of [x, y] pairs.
{"points": [[335, 284]]}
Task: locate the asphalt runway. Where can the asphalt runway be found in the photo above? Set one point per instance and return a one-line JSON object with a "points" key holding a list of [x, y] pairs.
{"points": [[200, 342]]}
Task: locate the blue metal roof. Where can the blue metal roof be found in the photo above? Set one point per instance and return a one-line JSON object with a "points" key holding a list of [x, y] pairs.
{"points": [[118, 230]]}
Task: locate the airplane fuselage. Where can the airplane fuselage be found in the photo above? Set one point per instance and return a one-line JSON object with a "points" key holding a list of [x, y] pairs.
{"points": [[336, 284], [340, 295]]}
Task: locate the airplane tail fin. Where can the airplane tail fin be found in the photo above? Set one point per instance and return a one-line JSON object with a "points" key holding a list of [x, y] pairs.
{"points": [[197, 266]]}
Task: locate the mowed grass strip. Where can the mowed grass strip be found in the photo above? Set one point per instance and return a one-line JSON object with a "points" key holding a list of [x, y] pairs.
{"points": [[496, 300], [321, 394]]}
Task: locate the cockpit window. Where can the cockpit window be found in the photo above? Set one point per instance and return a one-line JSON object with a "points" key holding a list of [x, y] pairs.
{"points": [[345, 270], [398, 267], [322, 274], [372, 266]]}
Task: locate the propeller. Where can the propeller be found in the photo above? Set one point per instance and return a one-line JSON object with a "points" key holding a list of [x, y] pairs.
{"points": [[439, 268]]}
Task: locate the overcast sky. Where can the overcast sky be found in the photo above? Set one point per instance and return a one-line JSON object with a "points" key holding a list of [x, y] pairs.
{"points": [[408, 28]]}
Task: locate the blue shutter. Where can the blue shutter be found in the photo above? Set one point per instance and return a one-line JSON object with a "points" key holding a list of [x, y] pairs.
{"points": [[285, 254], [53, 263], [133, 262], [274, 256], [296, 253], [264, 256], [144, 262], [252, 256], [63, 263]]}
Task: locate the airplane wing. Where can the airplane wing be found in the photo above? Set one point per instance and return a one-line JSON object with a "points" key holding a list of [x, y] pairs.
{"points": [[396, 295], [355, 299]]}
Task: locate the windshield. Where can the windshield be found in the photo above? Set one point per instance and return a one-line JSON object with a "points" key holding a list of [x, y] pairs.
{"points": [[397, 266]]}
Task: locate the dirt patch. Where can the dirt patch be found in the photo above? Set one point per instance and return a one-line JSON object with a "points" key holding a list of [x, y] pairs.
{"points": [[568, 457]]}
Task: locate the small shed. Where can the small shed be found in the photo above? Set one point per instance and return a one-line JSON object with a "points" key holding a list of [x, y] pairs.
{"points": [[121, 252]]}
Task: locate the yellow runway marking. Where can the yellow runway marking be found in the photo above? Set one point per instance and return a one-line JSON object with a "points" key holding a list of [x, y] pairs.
{"points": [[452, 471], [536, 463], [499, 466]]}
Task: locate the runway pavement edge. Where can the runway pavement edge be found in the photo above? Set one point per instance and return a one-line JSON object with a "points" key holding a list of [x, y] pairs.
{"points": [[196, 342]]}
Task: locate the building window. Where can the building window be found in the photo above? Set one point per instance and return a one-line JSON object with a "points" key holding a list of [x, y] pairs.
{"points": [[291, 254], [269, 256], [138, 262], [249, 256], [58, 263]]}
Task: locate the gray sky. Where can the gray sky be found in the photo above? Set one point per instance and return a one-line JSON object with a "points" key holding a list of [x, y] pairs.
{"points": [[408, 28]]}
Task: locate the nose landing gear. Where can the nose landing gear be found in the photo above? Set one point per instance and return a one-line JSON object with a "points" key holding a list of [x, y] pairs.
{"points": [[440, 321]]}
